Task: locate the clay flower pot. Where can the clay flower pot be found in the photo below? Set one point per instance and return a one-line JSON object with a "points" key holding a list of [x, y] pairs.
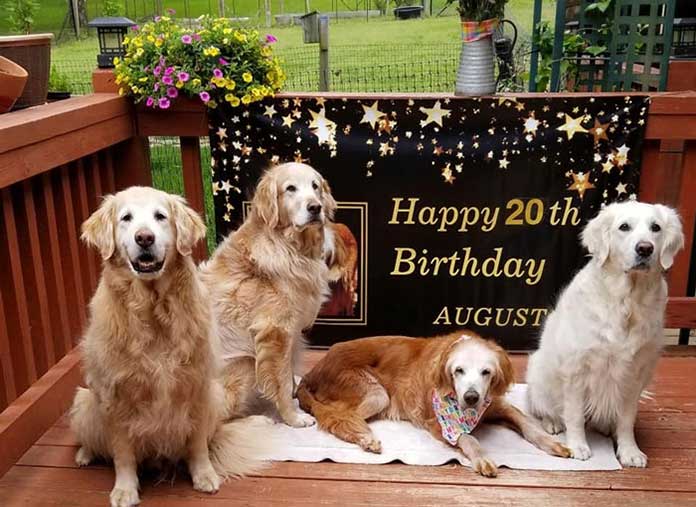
{"points": [[33, 52], [12, 81]]}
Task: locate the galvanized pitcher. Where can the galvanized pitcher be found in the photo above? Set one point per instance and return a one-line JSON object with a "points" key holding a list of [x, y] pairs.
{"points": [[476, 73]]}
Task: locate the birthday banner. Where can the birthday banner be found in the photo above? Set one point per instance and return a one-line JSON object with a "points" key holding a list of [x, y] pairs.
{"points": [[457, 213]]}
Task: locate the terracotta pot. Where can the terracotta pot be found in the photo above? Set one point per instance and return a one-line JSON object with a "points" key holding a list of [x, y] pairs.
{"points": [[12, 81], [33, 52]]}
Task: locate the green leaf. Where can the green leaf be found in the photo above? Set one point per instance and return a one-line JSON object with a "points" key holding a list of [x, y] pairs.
{"points": [[596, 50]]}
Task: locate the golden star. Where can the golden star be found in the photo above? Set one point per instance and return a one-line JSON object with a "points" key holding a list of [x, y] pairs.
{"points": [[623, 151], [506, 100], [599, 131], [372, 114], [447, 174], [297, 102], [320, 101], [222, 133], [226, 187], [270, 111], [520, 106], [581, 183], [437, 151], [607, 167], [385, 149], [321, 126], [246, 150], [503, 163], [531, 124], [216, 187], [385, 125], [296, 113], [572, 126], [298, 157], [287, 121], [621, 188], [433, 114], [223, 146]]}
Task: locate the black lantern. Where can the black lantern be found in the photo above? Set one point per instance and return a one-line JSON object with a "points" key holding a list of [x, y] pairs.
{"points": [[111, 32]]}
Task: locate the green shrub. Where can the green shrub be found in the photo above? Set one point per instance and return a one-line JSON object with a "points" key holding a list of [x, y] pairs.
{"points": [[58, 81], [111, 8], [21, 14]]}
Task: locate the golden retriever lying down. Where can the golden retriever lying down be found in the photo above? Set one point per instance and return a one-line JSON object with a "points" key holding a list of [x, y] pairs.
{"points": [[402, 378], [148, 353], [267, 281]]}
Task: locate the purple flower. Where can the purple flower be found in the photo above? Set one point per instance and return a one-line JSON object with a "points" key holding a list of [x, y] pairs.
{"points": [[164, 103], [183, 76], [149, 102], [157, 70], [156, 87], [222, 61], [186, 39], [205, 96], [171, 11], [169, 71], [172, 93], [217, 73], [157, 18], [196, 36], [135, 28], [168, 80], [270, 39]]}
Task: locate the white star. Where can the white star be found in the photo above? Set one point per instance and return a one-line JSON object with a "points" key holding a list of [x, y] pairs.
{"points": [[372, 114], [434, 114]]}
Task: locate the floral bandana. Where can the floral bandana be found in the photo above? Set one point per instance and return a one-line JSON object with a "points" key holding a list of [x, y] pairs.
{"points": [[452, 419]]}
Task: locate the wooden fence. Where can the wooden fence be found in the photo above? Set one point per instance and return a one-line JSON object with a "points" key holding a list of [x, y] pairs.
{"points": [[57, 160]]}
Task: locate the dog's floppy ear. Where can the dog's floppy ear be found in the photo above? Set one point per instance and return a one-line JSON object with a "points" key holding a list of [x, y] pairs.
{"points": [[596, 235], [444, 382], [190, 228], [673, 239], [504, 374], [265, 202], [98, 229], [328, 202]]}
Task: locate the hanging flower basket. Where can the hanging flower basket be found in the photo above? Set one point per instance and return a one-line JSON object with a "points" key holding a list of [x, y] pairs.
{"points": [[476, 73]]}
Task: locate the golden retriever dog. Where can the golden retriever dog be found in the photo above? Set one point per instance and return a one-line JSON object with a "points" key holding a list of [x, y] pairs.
{"points": [[343, 275], [397, 377], [267, 281], [149, 354], [600, 345]]}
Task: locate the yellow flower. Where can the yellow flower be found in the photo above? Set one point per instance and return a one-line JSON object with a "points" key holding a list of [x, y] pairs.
{"points": [[229, 97], [266, 51], [230, 85], [117, 60], [179, 84], [143, 80], [247, 77], [211, 51], [225, 40], [240, 36], [212, 104], [196, 82], [159, 42], [150, 38], [218, 81], [234, 102], [227, 31], [126, 41], [121, 91], [246, 99]]}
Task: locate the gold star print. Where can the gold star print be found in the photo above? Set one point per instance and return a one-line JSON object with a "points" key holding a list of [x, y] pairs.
{"points": [[623, 151], [385, 149], [298, 157], [296, 113], [223, 146], [506, 100], [372, 114], [226, 217], [607, 167], [321, 126], [447, 174], [520, 106], [621, 188], [385, 125], [216, 187], [503, 163], [581, 183], [433, 114], [437, 151], [285, 103], [246, 150], [226, 187], [287, 121], [222, 133], [599, 131], [572, 126], [489, 155], [531, 124], [297, 102], [270, 111], [320, 101]]}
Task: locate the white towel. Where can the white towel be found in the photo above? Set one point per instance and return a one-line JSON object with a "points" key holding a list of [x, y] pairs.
{"points": [[401, 441]]}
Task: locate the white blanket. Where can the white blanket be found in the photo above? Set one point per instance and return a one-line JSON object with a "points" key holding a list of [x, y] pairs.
{"points": [[403, 442]]}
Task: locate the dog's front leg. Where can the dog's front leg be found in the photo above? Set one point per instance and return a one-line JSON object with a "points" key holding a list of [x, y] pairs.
{"points": [[574, 419], [203, 475], [274, 376], [627, 449], [125, 492], [471, 448]]}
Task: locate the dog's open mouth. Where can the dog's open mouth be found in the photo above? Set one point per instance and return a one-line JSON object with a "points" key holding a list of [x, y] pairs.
{"points": [[146, 263]]}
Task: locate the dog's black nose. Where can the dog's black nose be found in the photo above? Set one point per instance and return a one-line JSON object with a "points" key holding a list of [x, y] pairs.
{"points": [[314, 209], [644, 249], [144, 237], [471, 398]]}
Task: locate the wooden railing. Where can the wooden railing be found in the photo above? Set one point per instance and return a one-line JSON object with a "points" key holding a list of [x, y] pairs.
{"points": [[56, 161]]}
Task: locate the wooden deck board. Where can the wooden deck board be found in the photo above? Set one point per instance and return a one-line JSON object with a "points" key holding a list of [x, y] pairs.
{"points": [[47, 475]]}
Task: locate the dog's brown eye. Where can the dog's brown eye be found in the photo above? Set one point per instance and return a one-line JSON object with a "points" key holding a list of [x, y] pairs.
{"points": [[624, 227], [291, 188], [486, 372], [655, 228], [458, 371], [314, 185], [127, 217], [159, 216]]}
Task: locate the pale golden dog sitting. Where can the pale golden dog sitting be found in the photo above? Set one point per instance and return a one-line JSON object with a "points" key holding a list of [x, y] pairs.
{"points": [[267, 281], [149, 353], [396, 377]]}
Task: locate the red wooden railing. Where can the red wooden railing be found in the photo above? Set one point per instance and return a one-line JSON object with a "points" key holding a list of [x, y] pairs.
{"points": [[57, 160]]}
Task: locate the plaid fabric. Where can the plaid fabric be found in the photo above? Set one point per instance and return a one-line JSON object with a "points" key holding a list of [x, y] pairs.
{"points": [[475, 30]]}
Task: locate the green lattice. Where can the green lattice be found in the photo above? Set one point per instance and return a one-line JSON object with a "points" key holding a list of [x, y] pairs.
{"points": [[638, 41]]}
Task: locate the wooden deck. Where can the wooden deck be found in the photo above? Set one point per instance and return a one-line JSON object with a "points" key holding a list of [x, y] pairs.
{"points": [[47, 475]]}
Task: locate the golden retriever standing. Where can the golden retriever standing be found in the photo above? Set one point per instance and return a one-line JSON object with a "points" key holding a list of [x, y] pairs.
{"points": [[400, 378], [267, 282], [149, 358]]}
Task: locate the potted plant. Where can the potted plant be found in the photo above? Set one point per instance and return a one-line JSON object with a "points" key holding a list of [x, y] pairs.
{"points": [[215, 63], [479, 18], [58, 86], [33, 52], [12, 81]]}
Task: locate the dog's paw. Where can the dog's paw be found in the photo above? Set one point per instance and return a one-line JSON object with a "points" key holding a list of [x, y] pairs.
{"points": [[558, 449], [552, 426], [371, 445], [83, 457], [485, 467], [580, 451], [207, 481], [300, 419], [121, 497], [632, 457]]}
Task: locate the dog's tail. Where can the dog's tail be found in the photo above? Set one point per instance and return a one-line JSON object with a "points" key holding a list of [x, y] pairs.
{"points": [[345, 424], [243, 446]]}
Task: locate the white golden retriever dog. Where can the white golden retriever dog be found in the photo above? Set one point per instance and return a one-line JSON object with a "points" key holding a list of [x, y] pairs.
{"points": [[267, 281], [149, 354], [600, 345]]}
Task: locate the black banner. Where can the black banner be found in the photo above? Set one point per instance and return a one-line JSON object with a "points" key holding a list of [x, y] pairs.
{"points": [[458, 212]]}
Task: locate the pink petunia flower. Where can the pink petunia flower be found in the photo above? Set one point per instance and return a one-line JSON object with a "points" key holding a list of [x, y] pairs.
{"points": [[135, 28], [171, 11], [157, 70], [270, 39], [217, 73], [183, 76], [149, 102], [168, 80], [222, 61], [205, 96], [172, 92], [157, 18], [164, 103], [169, 71], [186, 39], [197, 36]]}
